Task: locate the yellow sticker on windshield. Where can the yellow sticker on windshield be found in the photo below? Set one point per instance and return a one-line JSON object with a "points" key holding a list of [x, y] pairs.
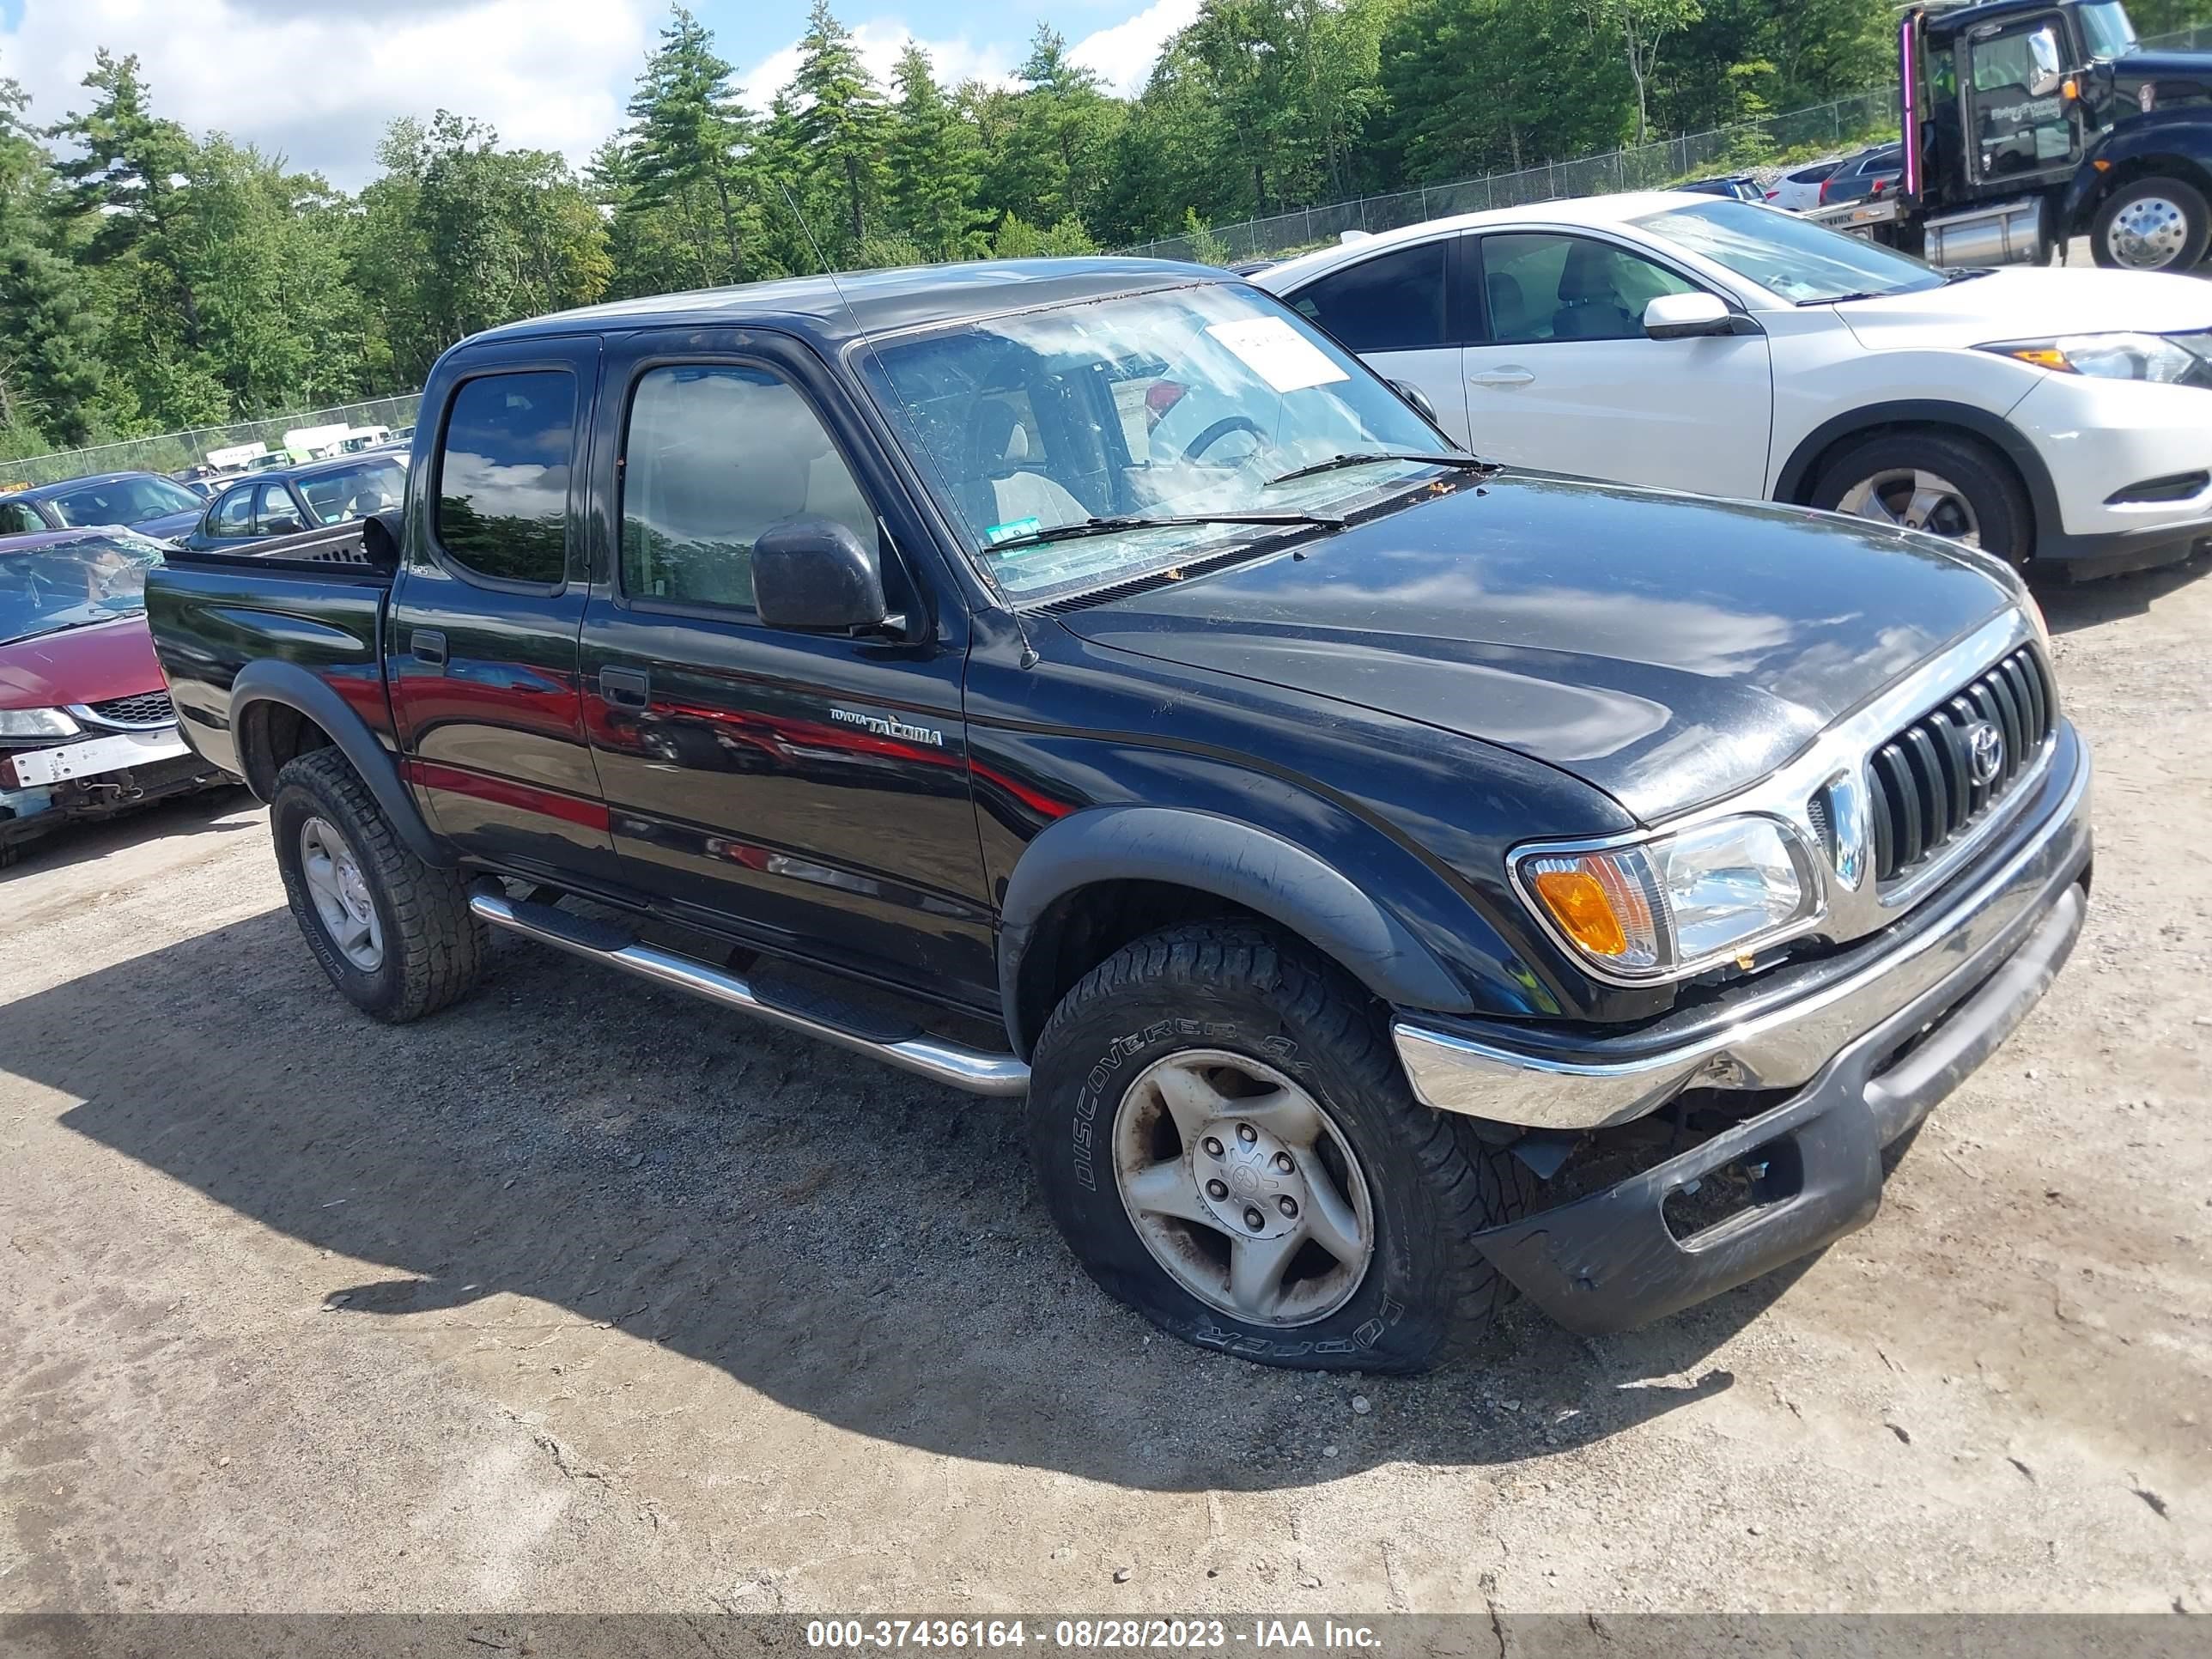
{"points": [[1278, 353]]}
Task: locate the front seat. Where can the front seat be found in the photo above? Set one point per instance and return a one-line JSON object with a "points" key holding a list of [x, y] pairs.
{"points": [[1590, 308], [1509, 307], [1007, 489]]}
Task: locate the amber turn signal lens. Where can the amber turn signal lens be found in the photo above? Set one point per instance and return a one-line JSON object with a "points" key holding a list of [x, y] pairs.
{"points": [[1579, 904], [2045, 357]]}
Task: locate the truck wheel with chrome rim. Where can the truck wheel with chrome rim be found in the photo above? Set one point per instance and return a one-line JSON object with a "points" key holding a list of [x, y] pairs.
{"points": [[2153, 224], [1954, 487], [394, 934], [1229, 1146]]}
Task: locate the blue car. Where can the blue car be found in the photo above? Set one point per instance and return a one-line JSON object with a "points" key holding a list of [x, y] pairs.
{"points": [[147, 502]]}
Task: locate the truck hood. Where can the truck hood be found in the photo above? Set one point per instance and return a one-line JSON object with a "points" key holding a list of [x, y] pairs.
{"points": [[89, 664], [1666, 649], [2180, 77], [2022, 304]]}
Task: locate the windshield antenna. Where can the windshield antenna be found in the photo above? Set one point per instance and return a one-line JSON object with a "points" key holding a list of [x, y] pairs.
{"points": [[912, 421]]}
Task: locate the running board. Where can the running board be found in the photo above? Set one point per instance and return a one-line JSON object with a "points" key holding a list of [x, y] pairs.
{"points": [[971, 1069]]}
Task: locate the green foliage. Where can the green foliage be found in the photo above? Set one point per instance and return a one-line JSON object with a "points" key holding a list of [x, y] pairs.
{"points": [[152, 278], [935, 161]]}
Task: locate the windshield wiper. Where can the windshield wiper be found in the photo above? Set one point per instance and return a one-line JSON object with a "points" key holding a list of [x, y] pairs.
{"points": [[1335, 461], [1967, 273], [1107, 526]]}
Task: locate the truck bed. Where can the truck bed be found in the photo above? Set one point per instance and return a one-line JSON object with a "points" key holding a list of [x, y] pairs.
{"points": [[313, 599]]}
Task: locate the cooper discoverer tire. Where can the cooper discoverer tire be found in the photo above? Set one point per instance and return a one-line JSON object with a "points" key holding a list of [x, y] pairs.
{"points": [[395, 935], [1947, 485], [2151, 224], [1221, 1059]]}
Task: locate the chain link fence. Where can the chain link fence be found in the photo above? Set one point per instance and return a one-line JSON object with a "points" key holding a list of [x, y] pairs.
{"points": [[1869, 116], [172, 452]]}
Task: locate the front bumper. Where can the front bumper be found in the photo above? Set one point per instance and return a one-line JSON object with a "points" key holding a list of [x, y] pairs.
{"points": [[66, 795], [2099, 440], [1875, 1050]]}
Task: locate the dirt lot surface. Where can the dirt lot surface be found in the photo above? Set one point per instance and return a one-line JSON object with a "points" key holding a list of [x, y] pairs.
{"points": [[584, 1297]]}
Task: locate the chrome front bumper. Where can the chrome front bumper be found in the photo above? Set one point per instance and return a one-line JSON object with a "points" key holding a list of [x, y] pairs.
{"points": [[1771, 1039]]}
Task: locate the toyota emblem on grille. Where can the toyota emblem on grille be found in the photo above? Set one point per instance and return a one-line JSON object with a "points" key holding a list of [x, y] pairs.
{"points": [[1986, 752]]}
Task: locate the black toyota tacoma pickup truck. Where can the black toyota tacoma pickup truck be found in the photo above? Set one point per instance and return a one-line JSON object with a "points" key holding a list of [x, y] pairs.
{"points": [[1387, 878]]}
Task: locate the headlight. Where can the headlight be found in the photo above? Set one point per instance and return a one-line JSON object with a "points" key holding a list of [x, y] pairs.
{"points": [[2113, 357], [36, 723], [1669, 907]]}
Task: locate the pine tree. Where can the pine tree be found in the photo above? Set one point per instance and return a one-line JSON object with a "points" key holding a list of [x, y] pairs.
{"points": [[687, 149], [840, 121], [935, 164]]}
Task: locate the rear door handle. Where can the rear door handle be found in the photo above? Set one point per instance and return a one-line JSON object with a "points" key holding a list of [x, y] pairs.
{"points": [[1502, 377], [428, 645], [625, 687]]}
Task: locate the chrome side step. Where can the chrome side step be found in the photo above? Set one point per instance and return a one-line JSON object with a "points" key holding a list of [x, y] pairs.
{"points": [[977, 1073]]}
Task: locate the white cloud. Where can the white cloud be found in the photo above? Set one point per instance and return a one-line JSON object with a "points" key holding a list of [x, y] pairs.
{"points": [[318, 84], [879, 41], [1122, 56]]}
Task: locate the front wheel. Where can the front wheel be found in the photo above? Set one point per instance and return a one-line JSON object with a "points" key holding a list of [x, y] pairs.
{"points": [[2153, 224], [1952, 487], [1228, 1146]]}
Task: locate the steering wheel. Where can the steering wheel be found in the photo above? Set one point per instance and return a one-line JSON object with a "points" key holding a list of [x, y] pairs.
{"points": [[1220, 429]]}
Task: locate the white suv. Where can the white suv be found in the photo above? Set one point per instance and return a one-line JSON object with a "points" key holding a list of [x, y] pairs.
{"points": [[2063, 417]]}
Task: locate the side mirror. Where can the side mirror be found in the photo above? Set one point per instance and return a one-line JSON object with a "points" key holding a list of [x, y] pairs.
{"points": [[380, 534], [2047, 74], [1687, 317], [814, 576], [1417, 398]]}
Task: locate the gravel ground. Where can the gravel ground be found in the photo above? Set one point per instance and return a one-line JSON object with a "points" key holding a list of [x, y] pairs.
{"points": [[582, 1297]]}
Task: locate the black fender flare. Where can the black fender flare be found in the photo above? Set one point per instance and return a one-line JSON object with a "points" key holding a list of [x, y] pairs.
{"points": [[1229, 859], [1791, 483], [2177, 141], [295, 687]]}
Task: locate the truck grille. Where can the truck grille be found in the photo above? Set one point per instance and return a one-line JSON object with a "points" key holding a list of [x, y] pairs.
{"points": [[1926, 793], [146, 709]]}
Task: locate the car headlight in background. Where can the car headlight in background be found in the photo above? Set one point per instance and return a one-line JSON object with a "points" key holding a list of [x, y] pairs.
{"points": [[1677, 904], [36, 723], [2151, 358]]}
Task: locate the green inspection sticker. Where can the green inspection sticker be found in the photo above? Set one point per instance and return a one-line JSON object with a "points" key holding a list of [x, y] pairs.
{"points": [[1006, 532]]}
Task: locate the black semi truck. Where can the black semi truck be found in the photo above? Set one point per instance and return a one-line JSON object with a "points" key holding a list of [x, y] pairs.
{"points": [[2027, 122]]}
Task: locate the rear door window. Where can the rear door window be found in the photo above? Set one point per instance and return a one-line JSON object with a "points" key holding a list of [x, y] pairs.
{"points": [[502, 484], [1392, 302]]}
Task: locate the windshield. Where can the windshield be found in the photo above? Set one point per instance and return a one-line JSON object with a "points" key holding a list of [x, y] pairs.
{"points": [[123, 500], [355, 492], [1803, 263], [1189, 402], [2106, 27], [65, 584]]}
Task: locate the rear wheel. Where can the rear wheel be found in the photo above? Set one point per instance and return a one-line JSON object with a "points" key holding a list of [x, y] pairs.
{"points": [[1953, 487], [395, 935], [1228, 1146], [2153, 224]]}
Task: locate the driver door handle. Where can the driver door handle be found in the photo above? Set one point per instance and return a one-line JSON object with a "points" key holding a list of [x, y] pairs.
{"points": [[625, 687], [1502, 377]]}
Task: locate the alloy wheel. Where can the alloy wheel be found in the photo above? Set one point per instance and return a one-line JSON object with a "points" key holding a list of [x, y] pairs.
{"points": [[1913, 498], [341, 895], [1242, 1188]]}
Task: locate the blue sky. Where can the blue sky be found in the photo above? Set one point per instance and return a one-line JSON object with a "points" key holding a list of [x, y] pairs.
{"points": [[554, 74]]}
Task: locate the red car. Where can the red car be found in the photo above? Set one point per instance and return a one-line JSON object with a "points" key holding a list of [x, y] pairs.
{"points": [[86, 728]]}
